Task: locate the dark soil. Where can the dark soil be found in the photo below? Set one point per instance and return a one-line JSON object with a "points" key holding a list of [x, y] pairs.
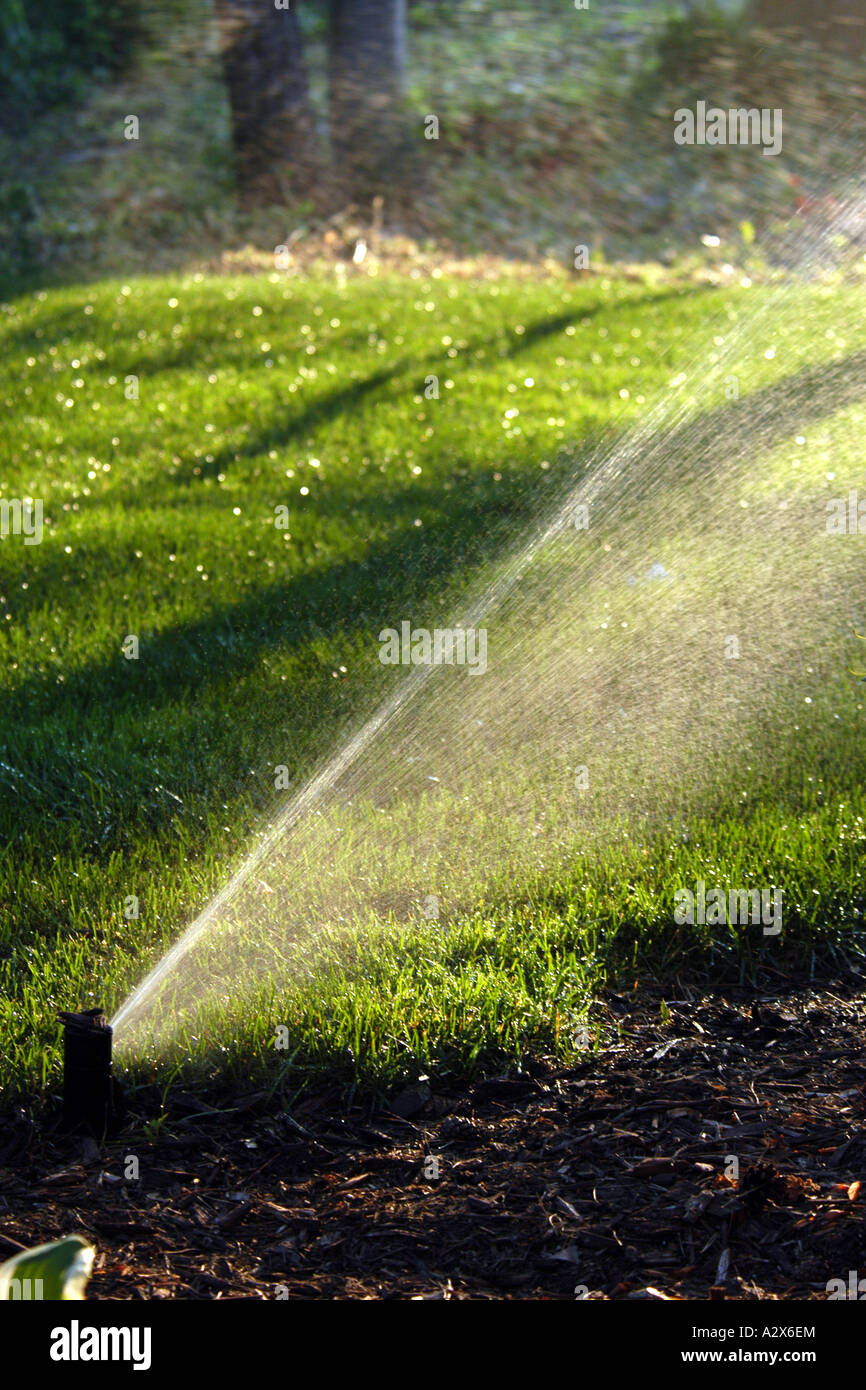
{"points": [[613, 1177]]}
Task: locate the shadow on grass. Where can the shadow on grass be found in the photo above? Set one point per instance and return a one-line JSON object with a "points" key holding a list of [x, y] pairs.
{"points": [[109, 713], [189, 673], [329, 405]]}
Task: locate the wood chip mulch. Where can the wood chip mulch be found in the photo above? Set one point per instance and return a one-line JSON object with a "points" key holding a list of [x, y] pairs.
{"points": [[713, 1149]]}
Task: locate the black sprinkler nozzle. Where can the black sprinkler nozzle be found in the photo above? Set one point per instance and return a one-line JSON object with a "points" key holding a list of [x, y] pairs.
{"points": [[87, 1088]]}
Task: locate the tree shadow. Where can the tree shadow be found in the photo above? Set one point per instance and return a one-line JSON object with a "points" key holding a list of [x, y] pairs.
{"points": [[161, 719], [166, 711]]}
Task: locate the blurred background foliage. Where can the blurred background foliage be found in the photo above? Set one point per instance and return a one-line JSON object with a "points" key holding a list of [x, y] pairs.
{"points": [[51, 50], [555, 128]]}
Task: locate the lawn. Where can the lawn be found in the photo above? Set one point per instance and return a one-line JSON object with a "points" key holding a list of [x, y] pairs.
{"points": [[165, 423]]}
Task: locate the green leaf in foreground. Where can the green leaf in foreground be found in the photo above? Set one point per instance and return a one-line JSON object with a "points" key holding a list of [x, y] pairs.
{"points": [[62, 1268]]}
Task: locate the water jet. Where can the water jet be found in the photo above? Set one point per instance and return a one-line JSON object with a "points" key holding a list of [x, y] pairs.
{"points": [[663, 650]]}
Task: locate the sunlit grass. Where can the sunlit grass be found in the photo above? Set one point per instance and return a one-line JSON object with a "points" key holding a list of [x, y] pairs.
{"points": [[145, 779]]}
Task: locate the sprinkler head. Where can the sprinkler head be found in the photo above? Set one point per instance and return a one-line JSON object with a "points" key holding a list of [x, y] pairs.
{"points": [[87, 1090]]}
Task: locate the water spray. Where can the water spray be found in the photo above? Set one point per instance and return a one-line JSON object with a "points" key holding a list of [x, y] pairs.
{"points": [[87, 1085], [403, 806]]}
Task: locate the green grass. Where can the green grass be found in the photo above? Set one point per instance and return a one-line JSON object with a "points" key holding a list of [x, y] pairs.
{"points": [[379, 1004], [257, 646]]}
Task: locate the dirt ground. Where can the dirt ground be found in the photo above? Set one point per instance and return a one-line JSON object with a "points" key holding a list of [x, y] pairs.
{"points": [[713, 1150]]}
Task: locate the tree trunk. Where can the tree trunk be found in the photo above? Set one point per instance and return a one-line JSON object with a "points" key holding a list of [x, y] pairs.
{"points": [[367, 57], [273, 129], [834, 24]]}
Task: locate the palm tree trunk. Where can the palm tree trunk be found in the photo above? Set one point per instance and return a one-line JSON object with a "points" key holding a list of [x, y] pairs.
{"points": [[273, 128], [367, 52]]}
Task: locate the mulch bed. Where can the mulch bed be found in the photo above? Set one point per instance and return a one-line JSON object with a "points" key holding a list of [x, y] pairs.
{"points": [[613, 1177]]}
